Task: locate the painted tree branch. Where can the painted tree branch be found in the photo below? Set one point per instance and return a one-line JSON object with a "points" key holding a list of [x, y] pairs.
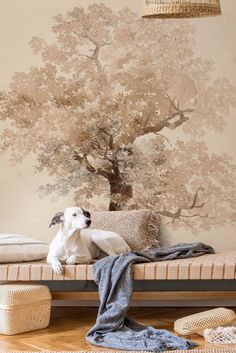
{"points": [[83, 159], [110, 151], [95, 56], [170, 122], [179, 212]]}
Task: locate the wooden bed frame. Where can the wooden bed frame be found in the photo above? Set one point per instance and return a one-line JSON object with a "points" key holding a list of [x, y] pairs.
{"points": [[149, 290]]}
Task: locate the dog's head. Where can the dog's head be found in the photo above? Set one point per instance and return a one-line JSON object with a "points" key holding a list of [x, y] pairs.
{"points": [[73, 218]]}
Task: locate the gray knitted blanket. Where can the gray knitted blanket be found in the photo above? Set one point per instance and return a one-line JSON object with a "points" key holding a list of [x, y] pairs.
{"points": [[113, 274]]}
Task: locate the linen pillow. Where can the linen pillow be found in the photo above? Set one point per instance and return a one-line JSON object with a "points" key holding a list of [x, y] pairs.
{"points": [[20, 248], [139, 228]]}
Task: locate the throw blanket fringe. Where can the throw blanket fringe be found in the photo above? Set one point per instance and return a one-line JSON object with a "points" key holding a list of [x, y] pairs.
{"points": [[113, 275]]}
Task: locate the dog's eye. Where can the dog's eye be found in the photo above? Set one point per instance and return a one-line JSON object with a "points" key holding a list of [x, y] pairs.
{"points": [[86, 214], [74, 215]]}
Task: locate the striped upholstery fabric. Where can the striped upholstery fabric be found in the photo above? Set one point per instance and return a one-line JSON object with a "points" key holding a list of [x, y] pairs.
{"points": [[21, 248], [218, 266]]}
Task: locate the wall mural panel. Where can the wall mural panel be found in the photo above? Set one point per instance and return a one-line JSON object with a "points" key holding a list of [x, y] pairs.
{"points": [[117, 112]]}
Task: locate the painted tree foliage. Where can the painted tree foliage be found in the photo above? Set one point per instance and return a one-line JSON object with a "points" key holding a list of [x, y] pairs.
{"points": [[118, 109]]}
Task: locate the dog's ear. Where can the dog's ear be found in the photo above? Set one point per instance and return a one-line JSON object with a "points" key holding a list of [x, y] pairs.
{"points": [[58, 218]]}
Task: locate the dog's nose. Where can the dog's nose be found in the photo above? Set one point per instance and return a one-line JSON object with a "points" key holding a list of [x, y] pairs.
{"points": [[88, 222]]}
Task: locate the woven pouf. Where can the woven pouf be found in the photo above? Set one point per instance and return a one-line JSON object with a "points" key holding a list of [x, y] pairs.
{"points": [[197, 323], [23, 308]]}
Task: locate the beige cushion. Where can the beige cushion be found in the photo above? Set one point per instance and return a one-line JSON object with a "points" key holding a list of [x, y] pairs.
{"points": [[139, 228], [20, 248]]}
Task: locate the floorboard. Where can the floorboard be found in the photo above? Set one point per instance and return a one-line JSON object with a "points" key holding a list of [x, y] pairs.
{"points": [[69, 325]]}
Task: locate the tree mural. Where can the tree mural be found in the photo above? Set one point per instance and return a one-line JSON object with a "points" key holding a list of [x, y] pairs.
{"points": [[119, 109]]}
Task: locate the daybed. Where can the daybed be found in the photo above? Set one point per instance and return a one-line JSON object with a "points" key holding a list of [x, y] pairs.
{"points": [[205, 277]]}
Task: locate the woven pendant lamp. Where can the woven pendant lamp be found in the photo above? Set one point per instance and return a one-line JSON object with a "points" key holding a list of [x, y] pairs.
{"points": [[180, 8]]}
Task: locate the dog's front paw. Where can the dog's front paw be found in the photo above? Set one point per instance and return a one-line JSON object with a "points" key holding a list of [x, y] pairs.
{"points": [[72, 260], [57, 267]]}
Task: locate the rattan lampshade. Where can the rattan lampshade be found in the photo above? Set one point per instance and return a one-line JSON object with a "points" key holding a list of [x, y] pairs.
{"points": [[180, 8]]}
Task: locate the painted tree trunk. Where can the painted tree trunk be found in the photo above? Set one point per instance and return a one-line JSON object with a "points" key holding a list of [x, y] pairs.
{"points": [[120, 193]]}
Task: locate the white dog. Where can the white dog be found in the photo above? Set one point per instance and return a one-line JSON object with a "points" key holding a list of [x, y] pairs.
{"points": [[73, 244]]}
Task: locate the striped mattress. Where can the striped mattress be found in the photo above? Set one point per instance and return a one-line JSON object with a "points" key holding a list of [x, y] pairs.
{"points": [[207, 267]]}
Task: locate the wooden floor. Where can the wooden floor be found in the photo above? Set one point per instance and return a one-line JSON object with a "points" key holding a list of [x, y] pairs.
{"points": [[68, 328]]}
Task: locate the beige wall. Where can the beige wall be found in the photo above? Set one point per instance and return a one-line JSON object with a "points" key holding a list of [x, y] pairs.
{"points": [[22, 210]]}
